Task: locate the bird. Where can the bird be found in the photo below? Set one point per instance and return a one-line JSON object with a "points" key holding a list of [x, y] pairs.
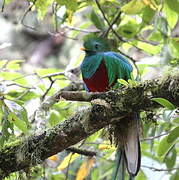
{"points": [[101, 68]]}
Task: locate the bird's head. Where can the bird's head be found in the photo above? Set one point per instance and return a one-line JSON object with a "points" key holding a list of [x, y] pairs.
{"points": [[93, 44]]}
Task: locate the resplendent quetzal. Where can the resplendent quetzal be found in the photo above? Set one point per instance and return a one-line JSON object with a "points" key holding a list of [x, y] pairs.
{"points": [[100, 70]]}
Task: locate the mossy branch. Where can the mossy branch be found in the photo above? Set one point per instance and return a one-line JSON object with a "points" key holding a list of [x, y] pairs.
{"points": [[107, 108]]}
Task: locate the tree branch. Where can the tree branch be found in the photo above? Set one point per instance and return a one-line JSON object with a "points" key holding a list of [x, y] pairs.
{"points": [[109, 108]]}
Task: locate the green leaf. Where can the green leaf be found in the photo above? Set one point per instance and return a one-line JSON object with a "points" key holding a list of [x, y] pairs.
{"points": [[141, 176], [161, 25], [4, 130], [54, 118], [151, 49], [42, 7], [44, 71], [14, 64], [10, 75], [17, 115], [174, 47], [171, 158], [164, 147], [18, 123], [171, 16], [133, 7], [97, 20], [132, 82], [174, 134], [176, 120], [155, 36], [175, 176], [128, 29], [173, 4], [147, 15], [2, 63], [70, 4], [123, 82], [164, 102]]}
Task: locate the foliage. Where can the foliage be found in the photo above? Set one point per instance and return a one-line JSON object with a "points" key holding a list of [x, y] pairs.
{"points": [[145, 25]]}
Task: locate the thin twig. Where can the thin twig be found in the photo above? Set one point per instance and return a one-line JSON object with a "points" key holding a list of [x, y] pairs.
{"points": [[54, 9], [25, 87], [154, 137], [71, 74], [113, 22], [79, 29], [81, 151], [48, 89], [25, 14], [157, 169]]}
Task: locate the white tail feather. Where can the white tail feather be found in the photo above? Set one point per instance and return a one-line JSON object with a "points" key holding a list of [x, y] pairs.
{"points": [[132, 147]]}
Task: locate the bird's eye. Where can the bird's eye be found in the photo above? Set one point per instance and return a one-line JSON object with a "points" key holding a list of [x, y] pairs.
{"points": [[96, 46]]}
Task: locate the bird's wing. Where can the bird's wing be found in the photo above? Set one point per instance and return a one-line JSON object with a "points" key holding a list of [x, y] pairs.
{"points": [[118, 67], [90, 64]]}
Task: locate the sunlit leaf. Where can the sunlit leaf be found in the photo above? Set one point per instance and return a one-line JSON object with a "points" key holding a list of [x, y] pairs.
{"points": [[10, 75], [14, 64], [173, 4], [54, 117], [42, 7], [123, 82], [133, 7], [141, 176], [171, 158], [43, 71], [175, 176], [149, 48], [147, 14], [2, 63], [161, 25], [67, 160], [174, 134], [97, 20], [171, 16], [164, 146], [71, 5], [132, 82], [164, 102], [53, 158], [84, 169], [129, 29], [176, 120], [104, 146], [155, 36], [17, 115], [151, 4], [174, 47], [18, 123]]}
